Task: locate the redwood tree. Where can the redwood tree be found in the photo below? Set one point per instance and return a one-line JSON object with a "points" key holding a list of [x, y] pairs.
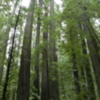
{"points": [[24, 73]]}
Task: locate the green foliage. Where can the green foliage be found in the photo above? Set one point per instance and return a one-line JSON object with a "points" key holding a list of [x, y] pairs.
{"points": [[66, 32]]}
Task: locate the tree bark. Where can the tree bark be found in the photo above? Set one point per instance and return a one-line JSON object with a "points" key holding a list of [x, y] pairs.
{"points": [[45, 70], [90, 86], [36, 67], [53, 70], [24, 72], [93, 50], [6, 34], [10, 60]]}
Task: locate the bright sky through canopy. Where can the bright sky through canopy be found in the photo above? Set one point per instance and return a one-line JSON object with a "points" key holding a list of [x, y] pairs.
{"points": [[26, 2]]}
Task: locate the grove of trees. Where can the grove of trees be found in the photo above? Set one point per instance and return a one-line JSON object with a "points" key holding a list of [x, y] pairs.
{"points": [[50, 51]]}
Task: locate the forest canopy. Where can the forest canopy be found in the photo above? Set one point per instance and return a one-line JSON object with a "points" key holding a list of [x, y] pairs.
{"points": [[50, 50]]}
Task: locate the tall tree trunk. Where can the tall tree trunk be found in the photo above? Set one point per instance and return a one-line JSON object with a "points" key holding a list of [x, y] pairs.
{"points": [[24, 72], [90, 86], [45, 71], [36, 67], [93, 50], [6, 34], [53, 71], [10, 60]]}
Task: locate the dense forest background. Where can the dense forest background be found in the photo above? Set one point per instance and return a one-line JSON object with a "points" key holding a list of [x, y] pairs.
{"points": [[50, 51]]}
